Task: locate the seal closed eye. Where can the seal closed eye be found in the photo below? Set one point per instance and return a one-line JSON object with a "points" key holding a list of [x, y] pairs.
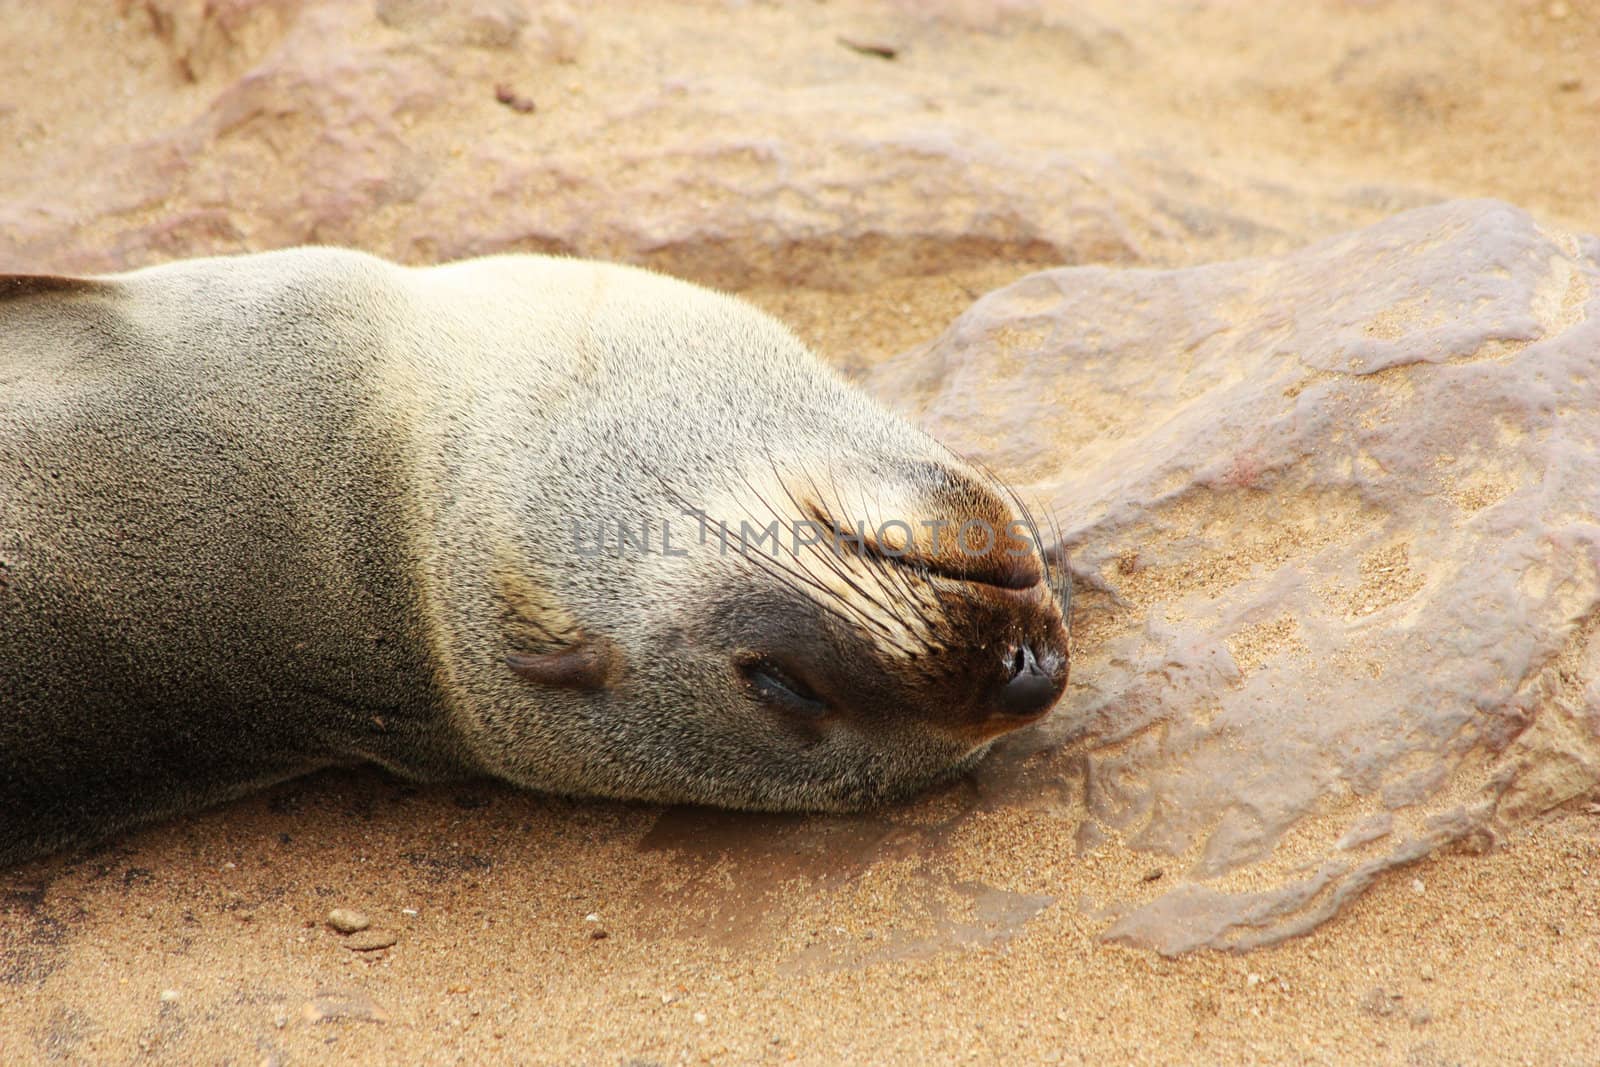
{"points": [[780, 687], [276, 512]]}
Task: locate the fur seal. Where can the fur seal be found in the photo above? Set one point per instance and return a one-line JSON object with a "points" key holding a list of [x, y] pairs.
{"points": [[267, 513]]}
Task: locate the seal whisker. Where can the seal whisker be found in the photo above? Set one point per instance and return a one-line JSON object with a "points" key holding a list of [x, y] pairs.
{"points": [[832, 559], [898, 572], [800, 572], [1035, 541], [889, 575], [1062, 586], [797, 581]]}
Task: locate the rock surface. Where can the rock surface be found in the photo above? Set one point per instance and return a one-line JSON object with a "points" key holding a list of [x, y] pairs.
{"points": [[1338, 519], [387, 127]]}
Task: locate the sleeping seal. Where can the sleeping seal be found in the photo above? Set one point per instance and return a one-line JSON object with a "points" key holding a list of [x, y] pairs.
{"points": [[577, 526]]}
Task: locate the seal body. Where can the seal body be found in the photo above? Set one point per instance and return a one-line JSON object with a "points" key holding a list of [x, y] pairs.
{"points": [[263, 514]]}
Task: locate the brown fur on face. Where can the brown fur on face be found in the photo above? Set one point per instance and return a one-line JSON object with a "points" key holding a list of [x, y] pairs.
{"points": [[974, 604]]}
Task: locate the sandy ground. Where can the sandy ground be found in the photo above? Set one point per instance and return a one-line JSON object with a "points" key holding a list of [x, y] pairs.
{"points": [[726, 941], [947, 930]]}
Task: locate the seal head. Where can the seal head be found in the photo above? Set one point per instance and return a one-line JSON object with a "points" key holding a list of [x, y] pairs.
{"points": [[739, 581], [825, 662]]}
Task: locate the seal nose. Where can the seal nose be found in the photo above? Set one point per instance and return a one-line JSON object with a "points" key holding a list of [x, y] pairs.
{"points": [[1031, 689]]}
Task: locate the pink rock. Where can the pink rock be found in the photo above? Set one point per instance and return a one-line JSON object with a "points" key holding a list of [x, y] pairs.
{"points": [[1335, 519], [757, 161]]}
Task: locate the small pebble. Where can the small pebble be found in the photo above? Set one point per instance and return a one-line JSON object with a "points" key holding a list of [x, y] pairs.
{"points": [[700, 1017], [1252, 979], [1417, 887], [1427, 973], [514, 100], [347, 921], [592, 917], [371, 940], [866, 47], [169, 996]]}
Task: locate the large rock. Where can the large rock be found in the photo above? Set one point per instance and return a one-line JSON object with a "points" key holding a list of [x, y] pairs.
{"points": [[759, 154], [1335, 519]]}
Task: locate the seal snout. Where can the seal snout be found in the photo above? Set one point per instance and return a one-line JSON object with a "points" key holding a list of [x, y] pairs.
{"points": [[1033, 687]]}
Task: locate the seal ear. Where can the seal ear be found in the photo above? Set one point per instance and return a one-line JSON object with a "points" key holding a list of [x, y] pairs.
{"points": [[533, 616], [589, 664]]}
